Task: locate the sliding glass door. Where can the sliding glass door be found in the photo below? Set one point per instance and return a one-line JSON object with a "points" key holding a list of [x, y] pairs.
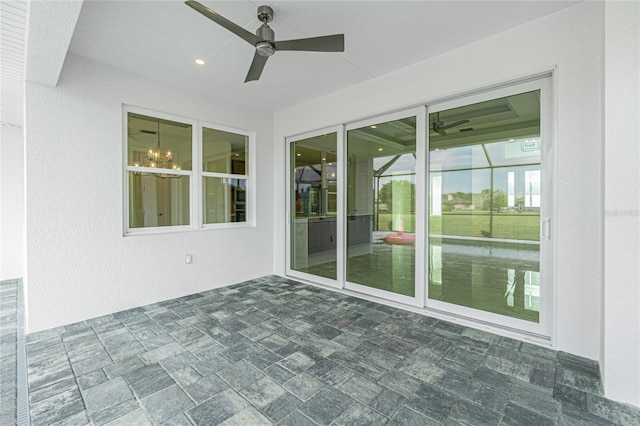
{"points": [[487, 201], [313, 205], [382, 200], [445, 207]]}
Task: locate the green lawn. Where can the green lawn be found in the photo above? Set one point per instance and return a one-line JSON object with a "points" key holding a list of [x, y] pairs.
{"points": [[511, 225], [386, 219]]}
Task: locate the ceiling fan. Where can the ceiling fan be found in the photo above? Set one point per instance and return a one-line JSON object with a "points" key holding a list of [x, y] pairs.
{"points": [[264, 38], [440, 127]]}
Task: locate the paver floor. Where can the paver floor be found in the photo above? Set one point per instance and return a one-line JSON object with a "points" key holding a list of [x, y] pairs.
{"points": [[276, 351]]}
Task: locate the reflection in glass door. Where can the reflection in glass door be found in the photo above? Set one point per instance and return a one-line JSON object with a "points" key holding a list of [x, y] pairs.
{"points": [[381, 206], [486, 195], [457, 231], [313, 180]]}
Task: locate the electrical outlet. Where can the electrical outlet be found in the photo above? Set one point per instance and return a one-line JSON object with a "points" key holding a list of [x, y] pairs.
{"points": [[188, 258]]}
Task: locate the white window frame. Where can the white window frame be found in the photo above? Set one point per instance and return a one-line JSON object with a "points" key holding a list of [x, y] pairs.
{"points": [[250, 195], [196, 175]]}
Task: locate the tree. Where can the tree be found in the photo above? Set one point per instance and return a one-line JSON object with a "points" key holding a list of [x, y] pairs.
{"points": [[405, 196], [499, 199]]}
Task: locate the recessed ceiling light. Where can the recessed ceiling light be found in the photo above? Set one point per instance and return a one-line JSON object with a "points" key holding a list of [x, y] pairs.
{"points": [[298, 155], [200, 61], [379, 149], [374, 127]]}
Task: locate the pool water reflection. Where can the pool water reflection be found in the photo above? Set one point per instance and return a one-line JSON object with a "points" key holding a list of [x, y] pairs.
{"points": [[502, 278]]}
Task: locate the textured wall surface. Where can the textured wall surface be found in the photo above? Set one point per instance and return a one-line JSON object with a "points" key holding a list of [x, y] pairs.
{"points": [[79, 264], [570, 40], [594, 47], [621, 155]]}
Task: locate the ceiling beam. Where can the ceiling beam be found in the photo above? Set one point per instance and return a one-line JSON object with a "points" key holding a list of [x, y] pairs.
{"points": [[50, 28]]}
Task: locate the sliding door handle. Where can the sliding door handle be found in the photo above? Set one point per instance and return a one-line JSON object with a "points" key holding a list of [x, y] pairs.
{"points": [[545, 228]]}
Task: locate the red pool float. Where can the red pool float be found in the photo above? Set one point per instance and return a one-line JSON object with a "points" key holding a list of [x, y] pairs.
{"points": [[400, 237]]}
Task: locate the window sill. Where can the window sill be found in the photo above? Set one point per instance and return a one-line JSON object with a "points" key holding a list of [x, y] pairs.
{"points": [[186, 229]]}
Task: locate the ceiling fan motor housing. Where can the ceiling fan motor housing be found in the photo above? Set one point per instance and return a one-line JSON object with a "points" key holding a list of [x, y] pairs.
{"points": [[266, 34], [264, 48], [265, 13]]}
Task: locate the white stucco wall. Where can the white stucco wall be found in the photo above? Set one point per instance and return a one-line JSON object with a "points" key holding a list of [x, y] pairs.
{"points": [[570, 40], [79, 264], [11, 203], [621, 153]]}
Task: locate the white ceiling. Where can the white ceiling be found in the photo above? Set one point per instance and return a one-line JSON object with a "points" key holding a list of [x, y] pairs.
{"points": [[162, 38]]}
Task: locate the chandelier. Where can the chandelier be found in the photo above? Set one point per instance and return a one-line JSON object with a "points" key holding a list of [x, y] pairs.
{"points": [[155, 158]]}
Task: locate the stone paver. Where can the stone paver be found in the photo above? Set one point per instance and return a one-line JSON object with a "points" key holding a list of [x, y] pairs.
{"points": [[275, 351]]}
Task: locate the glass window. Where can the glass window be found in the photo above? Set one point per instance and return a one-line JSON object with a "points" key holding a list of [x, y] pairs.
{"points": [[224, 152], [157, 143], [163, 186], [159, 156], [224, 175], [158, 200], [224, 200]]}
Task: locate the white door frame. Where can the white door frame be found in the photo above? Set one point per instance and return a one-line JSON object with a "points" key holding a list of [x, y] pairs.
{"points": [[419, 273], [542, 330], [338, 282], [544, 327]]}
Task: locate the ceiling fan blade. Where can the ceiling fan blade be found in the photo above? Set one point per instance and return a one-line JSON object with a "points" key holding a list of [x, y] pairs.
{"points": [[454, 124], [330, 43], [438, 127], [224, 22], [257, 65]]}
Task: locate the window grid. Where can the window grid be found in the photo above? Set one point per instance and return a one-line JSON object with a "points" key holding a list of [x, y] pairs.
{"points": [[166, 181]]}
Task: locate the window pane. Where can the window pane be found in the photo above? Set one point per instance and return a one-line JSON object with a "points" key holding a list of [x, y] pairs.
{"points": [[314, 204], [459, 158], [156, 200], [224, 152], [158, 143], [514, 151], [484, 215], [381, 206], [224, 200]]}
